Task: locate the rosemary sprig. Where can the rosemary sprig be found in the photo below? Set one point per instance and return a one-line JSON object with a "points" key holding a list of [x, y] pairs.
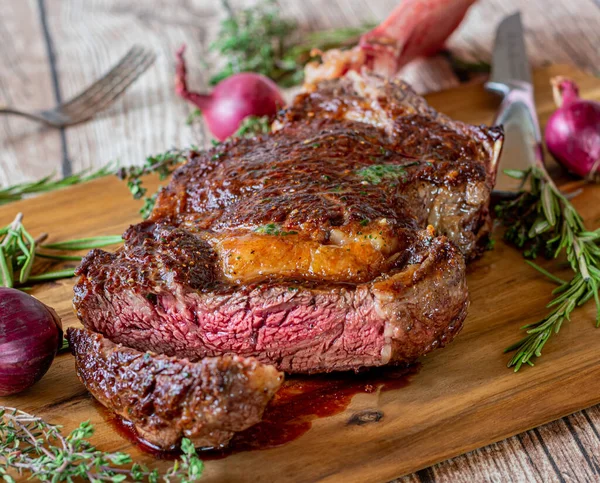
{"points": [[258, 39], [544, 220], [162, 164], [44, 185], [30, 446], [85, 243], [19, 250]]}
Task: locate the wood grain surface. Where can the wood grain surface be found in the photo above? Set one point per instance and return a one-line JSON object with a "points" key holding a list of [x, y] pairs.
{"points": [[53, 48], [462, 398]]}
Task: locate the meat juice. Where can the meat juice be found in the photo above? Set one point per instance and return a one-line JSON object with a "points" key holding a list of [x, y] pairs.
{"points": [[291, 412]]}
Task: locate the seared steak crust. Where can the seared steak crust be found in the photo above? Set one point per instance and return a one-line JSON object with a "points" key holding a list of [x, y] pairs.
{"points": [[334, 243], [167, 398]]}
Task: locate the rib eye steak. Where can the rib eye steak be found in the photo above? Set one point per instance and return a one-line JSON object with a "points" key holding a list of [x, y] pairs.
{"points": [[167, 398], [334, 243]]}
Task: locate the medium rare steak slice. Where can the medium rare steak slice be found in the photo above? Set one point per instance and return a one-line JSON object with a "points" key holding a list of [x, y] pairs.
{"points": [[162, 292], [167, 398], [334, 243]]}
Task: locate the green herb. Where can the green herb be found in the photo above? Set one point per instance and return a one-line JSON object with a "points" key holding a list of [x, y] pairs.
{"points": [[162, 164], [376, 173], [253, 126], [44, 185], [465, 70], [195, 114], [64, 346], [544, 221], [85, 243], [364, 222], [31, 447], [64, 258], [258, 39], [273, 229], [19, 250]]}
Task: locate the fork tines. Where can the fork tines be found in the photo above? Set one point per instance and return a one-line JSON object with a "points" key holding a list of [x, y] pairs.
{"points": [[110, 86]]}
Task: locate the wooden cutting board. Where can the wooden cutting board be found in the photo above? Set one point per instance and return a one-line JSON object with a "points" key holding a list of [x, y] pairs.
{"points": [[462, 398]]}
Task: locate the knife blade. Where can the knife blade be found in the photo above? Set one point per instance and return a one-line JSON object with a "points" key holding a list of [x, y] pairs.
{"points": [[511, 78]]}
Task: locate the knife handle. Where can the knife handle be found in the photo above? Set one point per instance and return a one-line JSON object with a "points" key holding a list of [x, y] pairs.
{"points": [[520, 99]]}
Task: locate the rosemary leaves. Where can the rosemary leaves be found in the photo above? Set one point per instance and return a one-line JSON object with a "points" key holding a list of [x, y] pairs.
{"points": [[544, 221], [29, 446], [44, 185], [19, 250]]}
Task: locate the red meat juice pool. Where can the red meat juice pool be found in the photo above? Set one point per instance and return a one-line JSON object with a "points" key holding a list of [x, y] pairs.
{"points": [[290, 414]]}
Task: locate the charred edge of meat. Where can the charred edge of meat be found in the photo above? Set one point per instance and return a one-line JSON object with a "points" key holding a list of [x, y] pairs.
{"points": [[166, 398]]}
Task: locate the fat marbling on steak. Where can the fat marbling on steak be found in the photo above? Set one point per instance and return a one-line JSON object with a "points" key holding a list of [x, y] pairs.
{"points": [[167, 398], [334, 243]]}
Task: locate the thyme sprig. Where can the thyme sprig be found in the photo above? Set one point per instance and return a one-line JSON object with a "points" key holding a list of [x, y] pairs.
{"points": [[259, 39], [19, 250], [253, 126], [46, 184], [543, 220], [162, 164], [30, 446], [165, 164]]}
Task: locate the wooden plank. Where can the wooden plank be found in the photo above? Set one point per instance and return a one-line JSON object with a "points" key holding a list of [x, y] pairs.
{"points": [[462, 398], [94, 34], [27, 150], [556, 30], [149, 118]]}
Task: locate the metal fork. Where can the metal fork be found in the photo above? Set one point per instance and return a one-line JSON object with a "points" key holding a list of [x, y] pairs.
{"points": [[96, 97]]}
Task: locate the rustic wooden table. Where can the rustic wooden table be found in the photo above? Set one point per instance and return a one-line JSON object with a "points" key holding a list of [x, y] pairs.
{"points": [[52, 48]]}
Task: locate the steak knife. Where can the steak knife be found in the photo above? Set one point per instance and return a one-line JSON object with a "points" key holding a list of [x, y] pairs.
{"points": [[511, 79]]}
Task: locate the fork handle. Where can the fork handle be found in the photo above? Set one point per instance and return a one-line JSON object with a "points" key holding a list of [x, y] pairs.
{"points": [[8, 110], [16, 112]]}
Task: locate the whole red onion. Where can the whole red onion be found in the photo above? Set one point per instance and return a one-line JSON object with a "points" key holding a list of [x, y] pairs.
{"points": [[573, 131], [30, 336], [232, 99]]}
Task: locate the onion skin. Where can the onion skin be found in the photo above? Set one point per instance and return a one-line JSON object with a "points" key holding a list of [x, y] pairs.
{"points": [[232, 100], [30, 336], [573, 131]]}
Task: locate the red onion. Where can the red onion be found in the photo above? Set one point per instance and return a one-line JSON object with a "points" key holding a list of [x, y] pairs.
{"points": [[232, 99], [573, 131], [30, 336]]}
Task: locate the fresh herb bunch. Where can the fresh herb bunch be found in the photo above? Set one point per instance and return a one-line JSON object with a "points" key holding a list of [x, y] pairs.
{"points": [[29, 445], [19, 250], [162, 164], [44, 185], [253, 40], [544, 221], [258, 39]]}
